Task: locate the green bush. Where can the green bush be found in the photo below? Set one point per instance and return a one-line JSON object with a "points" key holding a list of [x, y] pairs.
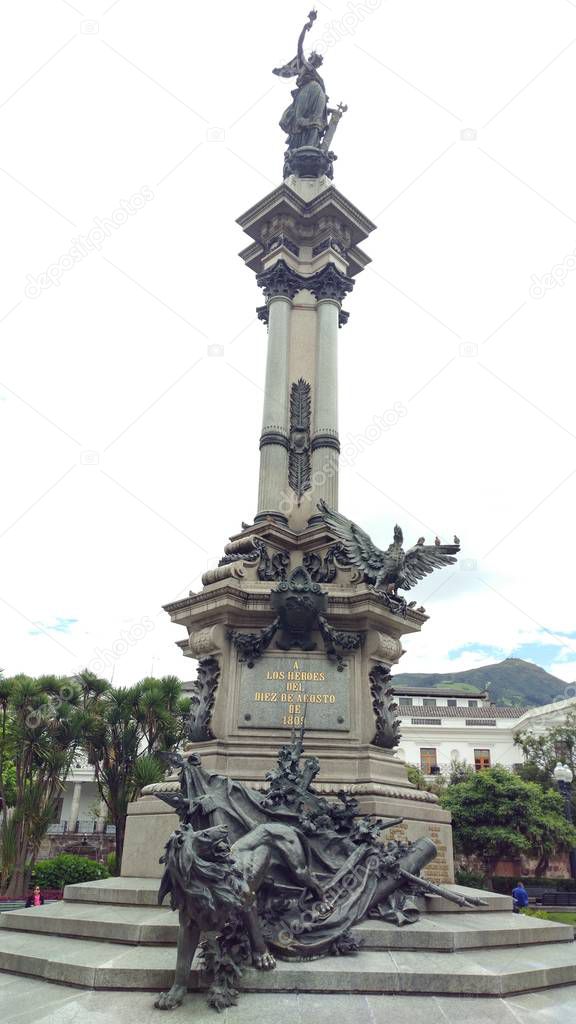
{"points": [[473, 879], [111, 863], [67, 869]]}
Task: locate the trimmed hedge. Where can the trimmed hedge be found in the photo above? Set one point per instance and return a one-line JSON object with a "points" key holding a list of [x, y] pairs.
{"points": [[504, 884], [67, 869], [473, 879]]}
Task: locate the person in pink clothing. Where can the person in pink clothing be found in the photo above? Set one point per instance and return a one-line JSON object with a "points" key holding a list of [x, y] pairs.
{"points": [[35, 898]]}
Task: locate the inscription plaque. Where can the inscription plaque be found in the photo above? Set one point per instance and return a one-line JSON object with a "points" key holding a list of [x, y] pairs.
{"points": [[276, 692]]}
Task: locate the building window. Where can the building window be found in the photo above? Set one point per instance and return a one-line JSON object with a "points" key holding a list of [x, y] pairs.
{"points": [[428, 760], [452, 702], [472, 703], [429, 702], [481, 759], [405, 702]]}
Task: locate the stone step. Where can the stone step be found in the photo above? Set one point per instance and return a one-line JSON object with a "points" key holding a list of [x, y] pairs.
{"points": [[152, 926], [144, 892], [104, 965], [113, 923]]}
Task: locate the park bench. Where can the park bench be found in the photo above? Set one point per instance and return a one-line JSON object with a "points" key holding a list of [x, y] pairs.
{"points": [[536, 892], [558, 899]]}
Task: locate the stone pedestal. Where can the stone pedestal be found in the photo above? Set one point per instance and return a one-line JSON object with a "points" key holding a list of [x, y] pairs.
{"points": [[259, 696]]}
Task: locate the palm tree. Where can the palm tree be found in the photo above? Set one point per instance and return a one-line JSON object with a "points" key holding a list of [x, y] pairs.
{"points": [[41, 727], [131, 725]]}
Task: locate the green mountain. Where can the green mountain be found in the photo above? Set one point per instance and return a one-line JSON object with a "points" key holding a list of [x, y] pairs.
{"points": [[513, 681]]}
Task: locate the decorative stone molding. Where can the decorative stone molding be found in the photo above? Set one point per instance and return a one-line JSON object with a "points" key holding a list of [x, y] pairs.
{"points": [[280, 281], [282, 240], [308, 162], [203, 642], [251, 646], [325, 570], [299, 467], [231, 569], [274, 437], [262, 313], [310, 232], [325, 440], [326, 788], [330, 283], [272, 567], [247, 547], [298, 602], [334, 638], [250, 550], [198, 727], [355, 789], [387, 648], [387, 725], [328, 243], [301, 605], [343, 317]]}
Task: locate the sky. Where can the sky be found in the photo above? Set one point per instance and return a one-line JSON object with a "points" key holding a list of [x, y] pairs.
{"points": [[133, 134]]}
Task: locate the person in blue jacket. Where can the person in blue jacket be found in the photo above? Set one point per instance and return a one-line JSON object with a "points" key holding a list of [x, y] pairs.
{"points": [[520, 897]]}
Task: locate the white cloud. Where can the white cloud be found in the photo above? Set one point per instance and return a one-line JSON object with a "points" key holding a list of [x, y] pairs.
{"points": [[442, 320]]}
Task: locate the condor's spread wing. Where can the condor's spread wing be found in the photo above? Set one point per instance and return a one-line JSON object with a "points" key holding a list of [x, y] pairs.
{"points": [[423, 559], [359, 547]]}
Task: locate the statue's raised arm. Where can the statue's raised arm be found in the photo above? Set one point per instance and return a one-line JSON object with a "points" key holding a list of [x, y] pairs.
{"points": [[311, 19], [298, 62]]}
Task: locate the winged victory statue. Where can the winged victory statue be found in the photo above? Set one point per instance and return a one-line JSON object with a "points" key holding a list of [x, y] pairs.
{"points": [[309, 123], [394, 569]]}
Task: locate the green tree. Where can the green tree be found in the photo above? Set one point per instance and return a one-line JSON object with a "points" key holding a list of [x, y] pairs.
{"points": [[130, 727], [543, 752], [41, 728], [497, 815]]}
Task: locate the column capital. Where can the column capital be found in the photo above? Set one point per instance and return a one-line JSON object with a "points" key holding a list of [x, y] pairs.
{"points": [[280, 281], [330, 283]]}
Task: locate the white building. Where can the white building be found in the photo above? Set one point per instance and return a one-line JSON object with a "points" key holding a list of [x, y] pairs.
{"points": [[443, 725], [79, 808]]}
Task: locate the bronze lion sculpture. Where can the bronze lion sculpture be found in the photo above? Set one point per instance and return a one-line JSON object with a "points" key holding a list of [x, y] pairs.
{"points": [[211, 882], [282, 873]]}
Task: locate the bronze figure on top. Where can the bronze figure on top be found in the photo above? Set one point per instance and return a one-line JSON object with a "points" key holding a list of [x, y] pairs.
{"points": [[305, 121]]}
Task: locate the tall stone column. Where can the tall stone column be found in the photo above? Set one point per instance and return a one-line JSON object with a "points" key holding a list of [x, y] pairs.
{"points": [[329, 286], [75, 806], [280, 284]]}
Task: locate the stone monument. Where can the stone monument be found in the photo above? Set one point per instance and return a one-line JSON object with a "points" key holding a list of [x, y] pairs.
{"points": [[264, 854], [302, 620]]}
